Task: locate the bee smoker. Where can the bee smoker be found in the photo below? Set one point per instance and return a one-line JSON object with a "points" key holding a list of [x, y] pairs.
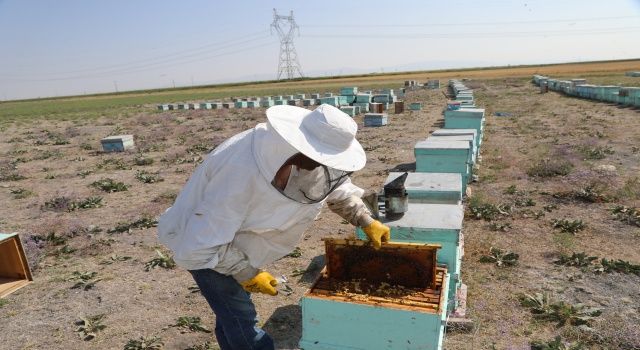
{"points": [[396, 200]]}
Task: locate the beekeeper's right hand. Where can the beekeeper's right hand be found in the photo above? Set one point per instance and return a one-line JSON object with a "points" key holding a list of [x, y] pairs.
{"points": [[377, 233], [263, 282]]}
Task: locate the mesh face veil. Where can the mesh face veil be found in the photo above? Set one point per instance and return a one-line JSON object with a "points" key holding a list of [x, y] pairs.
{"points": [[312, 186]]}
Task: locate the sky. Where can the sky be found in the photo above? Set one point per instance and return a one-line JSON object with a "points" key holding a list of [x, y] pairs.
{"points": [[74, 47]]}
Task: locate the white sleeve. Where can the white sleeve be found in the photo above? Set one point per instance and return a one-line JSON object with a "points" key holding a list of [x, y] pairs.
{"points": [[346, 201]]}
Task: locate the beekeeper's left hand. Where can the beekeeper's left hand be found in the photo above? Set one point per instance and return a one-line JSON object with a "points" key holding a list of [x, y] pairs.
{"points": [[377, 233]]}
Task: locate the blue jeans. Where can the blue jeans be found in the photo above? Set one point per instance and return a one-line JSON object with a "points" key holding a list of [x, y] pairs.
{"points": [[235, 313]]}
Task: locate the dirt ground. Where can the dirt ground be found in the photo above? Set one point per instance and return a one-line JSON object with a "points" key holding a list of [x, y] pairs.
{"points": [[139, 303]]}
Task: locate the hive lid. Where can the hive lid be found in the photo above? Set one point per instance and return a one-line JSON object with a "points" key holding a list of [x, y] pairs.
{"points": [[442, 144], [430, 216], [407, 264], [441, 182], [117, 138], [441, 132]]}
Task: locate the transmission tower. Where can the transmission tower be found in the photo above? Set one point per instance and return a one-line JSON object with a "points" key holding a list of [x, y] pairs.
{"points": [[288, 65]]}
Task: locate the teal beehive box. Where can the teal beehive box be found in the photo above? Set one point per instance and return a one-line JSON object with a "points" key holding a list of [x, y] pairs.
{"points": [[350, 307], [433, 224], [299, 96], [442, 188], [456, 132], [468, 138], [415, 106], [267, 103], [364, 107], [349, 90], [309, 102], [381, 98], [253, 104], [315, 96], [328, 94], [117, 143], [344, 100], [375, 119], [349, 110], [163, 107], [444, 157], [468, 118], [241, 104], [363, 98], [280, 102], [333, 100]]}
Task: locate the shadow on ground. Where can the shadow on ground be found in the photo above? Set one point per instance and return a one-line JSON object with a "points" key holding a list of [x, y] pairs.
{"points": [[285, 326]]}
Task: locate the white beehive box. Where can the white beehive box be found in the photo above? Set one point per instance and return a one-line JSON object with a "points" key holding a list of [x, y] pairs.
{"points": [[117, 143]]}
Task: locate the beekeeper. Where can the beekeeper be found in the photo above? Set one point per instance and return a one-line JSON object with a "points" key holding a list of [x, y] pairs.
{"points": [[251, 200]]}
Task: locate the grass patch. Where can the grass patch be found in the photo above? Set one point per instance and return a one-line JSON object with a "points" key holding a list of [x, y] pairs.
{"points": [[626, 214], [500, 258], [543, 307], [556, 344], [164, 261], [89, 326], [595, 153], [20, 193], [568, 226], [84, 280], [143, 222], [550, 168], [148, 178], [191, 323], [141, 160], [144, 343], [62, 204], [109, 185]]}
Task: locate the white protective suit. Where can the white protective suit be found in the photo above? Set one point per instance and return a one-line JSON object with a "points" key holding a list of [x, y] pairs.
{"points": [[230, 218]]}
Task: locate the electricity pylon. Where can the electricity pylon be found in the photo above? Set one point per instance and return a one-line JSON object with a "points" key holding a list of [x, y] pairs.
{"points": [[288, 64]]}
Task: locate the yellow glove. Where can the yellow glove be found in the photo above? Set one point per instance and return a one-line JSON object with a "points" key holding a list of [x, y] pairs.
{"points": [[263, 282], [377, 233]]}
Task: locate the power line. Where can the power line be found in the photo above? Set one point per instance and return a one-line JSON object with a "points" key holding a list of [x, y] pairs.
{"points": [[97, 75], [477, 35], [167, 57], [458, 24]]}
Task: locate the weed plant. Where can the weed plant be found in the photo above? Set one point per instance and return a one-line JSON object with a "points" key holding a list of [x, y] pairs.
{"points": [[564, 225], [500, 258]]}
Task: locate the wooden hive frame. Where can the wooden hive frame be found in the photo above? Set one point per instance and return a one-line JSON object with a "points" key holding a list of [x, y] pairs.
{"points": [[425, 287], [14, 268]]}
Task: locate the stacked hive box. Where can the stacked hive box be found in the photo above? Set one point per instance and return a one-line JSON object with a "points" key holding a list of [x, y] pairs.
{"points": [[433, 224], [434, 216], [444, 156], [436, 188], [365, 317]]}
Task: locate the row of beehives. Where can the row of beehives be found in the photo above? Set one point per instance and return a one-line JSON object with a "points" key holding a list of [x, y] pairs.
{"points": [[430, 84], [632, 74], [627, 96], [444, 163], [349, 96]]}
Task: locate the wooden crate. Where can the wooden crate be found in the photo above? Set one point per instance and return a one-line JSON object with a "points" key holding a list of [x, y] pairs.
{"points": [[338, 318], [14, 267]]}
